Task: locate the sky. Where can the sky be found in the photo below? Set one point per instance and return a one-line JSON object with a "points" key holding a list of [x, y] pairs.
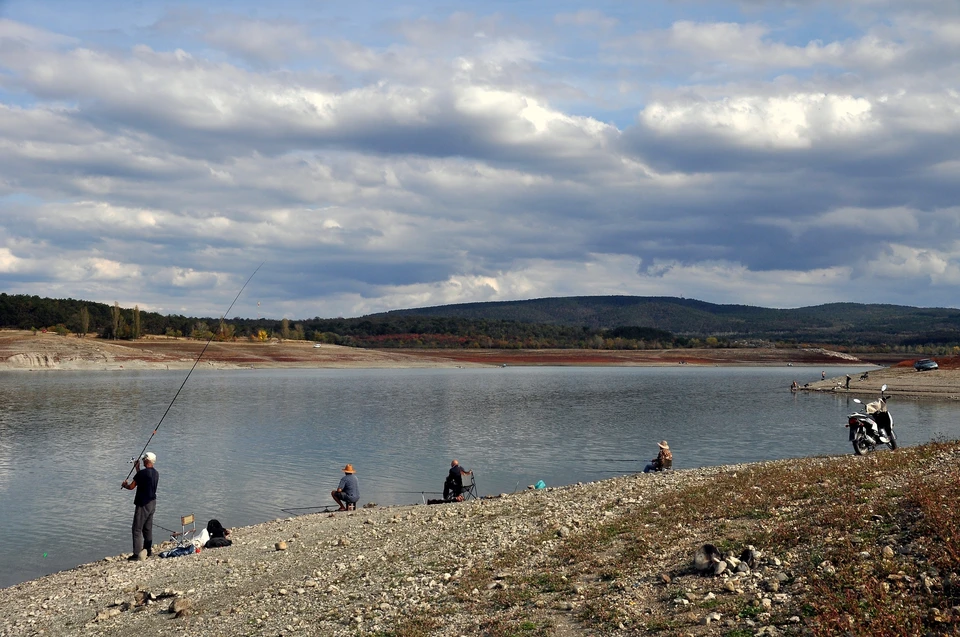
{"points": [[388, 155]]}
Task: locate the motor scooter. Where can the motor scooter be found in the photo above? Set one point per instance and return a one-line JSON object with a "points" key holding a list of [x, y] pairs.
{"points": [[873, 426]]}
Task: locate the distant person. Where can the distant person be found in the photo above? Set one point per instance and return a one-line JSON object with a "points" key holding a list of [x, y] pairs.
{"points": [[145, 502], [664, 459], [823, 375], [848, 381], [794, 386], [347, 492], [453, 485]]}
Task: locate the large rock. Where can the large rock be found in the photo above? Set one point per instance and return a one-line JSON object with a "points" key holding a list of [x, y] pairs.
{"points": [[706, 558]]}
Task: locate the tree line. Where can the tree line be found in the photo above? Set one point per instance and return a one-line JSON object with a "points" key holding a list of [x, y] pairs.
{"points": [[82, 318], [847, 327]]}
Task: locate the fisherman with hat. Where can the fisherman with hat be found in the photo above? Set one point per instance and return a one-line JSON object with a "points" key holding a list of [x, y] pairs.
{"points": [[664, 459], [145, 482], [348, 491]]}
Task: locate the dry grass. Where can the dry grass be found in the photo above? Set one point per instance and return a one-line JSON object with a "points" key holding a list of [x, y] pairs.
{"points": [[828, 519]]}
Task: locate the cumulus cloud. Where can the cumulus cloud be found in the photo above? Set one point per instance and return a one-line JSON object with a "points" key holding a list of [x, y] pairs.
{"points": [[901, 262], [260, 41], [788, 121], [435, 157], [20, 37], [586, 18]]}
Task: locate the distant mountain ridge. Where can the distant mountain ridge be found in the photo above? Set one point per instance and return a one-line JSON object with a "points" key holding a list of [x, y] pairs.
{"points": [[831, 322]]}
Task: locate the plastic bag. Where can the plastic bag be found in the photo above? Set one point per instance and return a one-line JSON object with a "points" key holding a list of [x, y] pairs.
{"points": [[540, 485], [197, 538]]}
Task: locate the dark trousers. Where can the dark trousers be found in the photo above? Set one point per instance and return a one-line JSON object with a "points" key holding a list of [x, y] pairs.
{"points": [[143, 527], [452, 488]]}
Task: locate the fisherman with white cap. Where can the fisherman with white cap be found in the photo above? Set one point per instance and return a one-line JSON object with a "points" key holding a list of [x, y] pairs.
{"points": [[145, 482]]}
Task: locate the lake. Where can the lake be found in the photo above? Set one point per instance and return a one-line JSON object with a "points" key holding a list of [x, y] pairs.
{"points": [[244, 445]]}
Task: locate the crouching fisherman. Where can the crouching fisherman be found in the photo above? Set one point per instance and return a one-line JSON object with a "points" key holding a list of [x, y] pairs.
{"points": [[347, 492], [145, 502]]}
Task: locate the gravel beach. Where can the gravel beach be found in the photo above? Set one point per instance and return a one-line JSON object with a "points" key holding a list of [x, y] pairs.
{"points": [[610, 557], [363, 572]]}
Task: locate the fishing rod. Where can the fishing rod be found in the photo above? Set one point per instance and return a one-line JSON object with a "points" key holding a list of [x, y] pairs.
{"points": [[157, 428], [325, 508]]}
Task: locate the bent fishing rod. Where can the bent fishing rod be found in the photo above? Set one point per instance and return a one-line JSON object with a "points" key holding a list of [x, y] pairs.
{"points": [[157, 428]]}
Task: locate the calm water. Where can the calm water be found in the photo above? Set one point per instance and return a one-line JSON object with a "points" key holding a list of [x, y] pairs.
{"points": [[241, 446]]}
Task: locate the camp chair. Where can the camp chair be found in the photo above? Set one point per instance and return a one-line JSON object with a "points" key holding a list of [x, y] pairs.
{"points": [[192, 537], [469, 486], [185, 521]]}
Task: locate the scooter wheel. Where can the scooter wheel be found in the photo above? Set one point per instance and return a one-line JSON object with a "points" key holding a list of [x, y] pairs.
{"points": [[860, 446], [893, 441]]}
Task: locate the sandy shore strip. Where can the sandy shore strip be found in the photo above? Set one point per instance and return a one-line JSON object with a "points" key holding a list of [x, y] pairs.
{"points": [[26, 351]]}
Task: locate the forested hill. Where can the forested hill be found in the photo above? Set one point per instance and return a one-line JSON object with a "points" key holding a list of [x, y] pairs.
{"points": [[837, 323], [621, 322]]}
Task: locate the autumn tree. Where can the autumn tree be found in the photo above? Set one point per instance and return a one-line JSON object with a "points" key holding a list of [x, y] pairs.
{"points": [[201, 331], [226, 332], [84, 321], [115, 317]]}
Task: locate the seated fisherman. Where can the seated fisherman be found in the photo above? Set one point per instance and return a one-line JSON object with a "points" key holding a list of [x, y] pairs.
{"points": [[664, 459], [453, 485]]}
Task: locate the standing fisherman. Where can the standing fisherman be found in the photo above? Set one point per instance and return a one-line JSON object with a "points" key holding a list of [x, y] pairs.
{"points": [[145, 482]]}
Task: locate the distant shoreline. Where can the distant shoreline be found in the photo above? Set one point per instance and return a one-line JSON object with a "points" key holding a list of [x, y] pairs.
{"points": [[22, 350]]}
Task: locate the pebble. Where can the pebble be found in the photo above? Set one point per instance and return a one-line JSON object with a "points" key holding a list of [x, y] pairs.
{"points": [[710, 618]]}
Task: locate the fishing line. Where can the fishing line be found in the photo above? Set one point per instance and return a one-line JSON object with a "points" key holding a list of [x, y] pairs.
{"points": [[166, 529], [157, 428]]}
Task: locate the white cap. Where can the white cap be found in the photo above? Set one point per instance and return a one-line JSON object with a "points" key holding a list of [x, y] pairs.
{"points": [[150, 457]]}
